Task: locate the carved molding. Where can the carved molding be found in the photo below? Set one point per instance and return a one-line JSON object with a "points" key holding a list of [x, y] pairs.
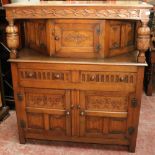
{"points": [[76, 37], [77, 12], [45, 101]]}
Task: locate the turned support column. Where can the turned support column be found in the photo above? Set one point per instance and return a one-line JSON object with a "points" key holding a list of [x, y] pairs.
{"points": [[143, 40], [12, 38]]}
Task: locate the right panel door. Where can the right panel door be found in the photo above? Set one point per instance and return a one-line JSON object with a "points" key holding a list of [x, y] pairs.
{"points": [[104, 114]]}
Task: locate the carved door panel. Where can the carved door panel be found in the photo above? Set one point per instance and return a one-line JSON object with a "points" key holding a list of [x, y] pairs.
{"points": [[120, 37], [48, 110], [104, 114], [79, 38]]}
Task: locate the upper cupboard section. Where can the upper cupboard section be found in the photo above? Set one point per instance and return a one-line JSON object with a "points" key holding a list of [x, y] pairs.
{"points": [[80, 38]]}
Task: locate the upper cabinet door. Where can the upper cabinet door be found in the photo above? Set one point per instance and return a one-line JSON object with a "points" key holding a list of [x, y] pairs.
{"points": [[79, 38]]}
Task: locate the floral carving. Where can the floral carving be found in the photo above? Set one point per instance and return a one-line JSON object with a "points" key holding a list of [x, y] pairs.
{"points": [[76, 12], [76, 37], [47, 101], [107, 103]]}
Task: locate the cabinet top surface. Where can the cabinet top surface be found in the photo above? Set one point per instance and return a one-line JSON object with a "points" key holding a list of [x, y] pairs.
{"points": [[115, 4]]}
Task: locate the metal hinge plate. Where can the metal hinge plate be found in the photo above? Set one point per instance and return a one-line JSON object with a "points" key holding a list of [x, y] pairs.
{"points": [[22, 124], [131, 130], [20, 97], [98, 48], [134, 102]]}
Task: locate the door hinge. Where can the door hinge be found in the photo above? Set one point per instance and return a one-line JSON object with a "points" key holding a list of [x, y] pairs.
{"points": [[20, 97], [131, 130], [134, 102], [98, 47], [22, 124], [98, 30]]}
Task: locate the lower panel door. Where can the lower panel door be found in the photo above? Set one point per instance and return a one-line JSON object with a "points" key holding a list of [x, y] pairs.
{"points": [[48, 112], [104, 114]]}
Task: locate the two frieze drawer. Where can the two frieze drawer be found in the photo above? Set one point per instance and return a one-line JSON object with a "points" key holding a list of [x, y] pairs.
{"points": [[68, 79]]}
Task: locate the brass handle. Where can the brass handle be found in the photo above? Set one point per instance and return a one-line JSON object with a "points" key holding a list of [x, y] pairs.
{"points": [[57, 38], [82, 113], [121, 79], [92, 78], [67, 113], [30, 74], [57, 76]]}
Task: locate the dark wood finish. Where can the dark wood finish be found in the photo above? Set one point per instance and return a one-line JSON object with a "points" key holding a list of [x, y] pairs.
{"points": [[95, 100]]}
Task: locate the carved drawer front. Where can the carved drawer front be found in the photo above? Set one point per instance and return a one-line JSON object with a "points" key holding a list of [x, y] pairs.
{"points": [[78, 38], [34, 76], [104, 114], [48, 110], [120, 37], [109, 79]]}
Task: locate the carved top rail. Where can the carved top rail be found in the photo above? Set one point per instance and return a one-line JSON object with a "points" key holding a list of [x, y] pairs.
{"points": [[135, 10]]}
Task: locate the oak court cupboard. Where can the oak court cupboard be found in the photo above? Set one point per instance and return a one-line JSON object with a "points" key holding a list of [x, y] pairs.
{"points": [[78, 69]]}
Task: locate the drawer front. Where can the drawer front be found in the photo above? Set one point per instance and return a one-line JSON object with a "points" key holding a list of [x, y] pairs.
{"points": [[109, 79], [76, 77], [32, 76]]}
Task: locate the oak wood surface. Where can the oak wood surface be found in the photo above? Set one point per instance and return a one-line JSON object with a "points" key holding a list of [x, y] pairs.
{"points": [[78, 79]]}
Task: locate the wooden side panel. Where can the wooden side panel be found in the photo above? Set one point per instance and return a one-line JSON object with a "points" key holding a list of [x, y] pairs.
{"points": [[36, 35], [120, 37]]}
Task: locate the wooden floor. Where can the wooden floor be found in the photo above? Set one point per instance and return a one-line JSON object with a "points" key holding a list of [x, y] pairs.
{"points": [[9, 144]]}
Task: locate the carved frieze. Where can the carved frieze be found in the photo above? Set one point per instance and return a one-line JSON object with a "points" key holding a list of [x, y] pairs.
{"points": [[75, 12]]}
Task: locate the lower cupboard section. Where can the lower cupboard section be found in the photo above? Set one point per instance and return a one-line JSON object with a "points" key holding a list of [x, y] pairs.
{"points": [[74, 115]]}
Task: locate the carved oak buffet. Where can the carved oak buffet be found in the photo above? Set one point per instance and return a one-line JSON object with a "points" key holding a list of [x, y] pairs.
{"points": [[77, 76]]}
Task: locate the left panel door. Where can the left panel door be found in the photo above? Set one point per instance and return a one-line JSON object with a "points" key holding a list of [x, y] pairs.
{"points": [[47, 112]]}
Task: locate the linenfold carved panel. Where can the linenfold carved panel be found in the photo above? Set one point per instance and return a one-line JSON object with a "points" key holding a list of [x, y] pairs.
{"points": [[39, 100], [75, 12]]}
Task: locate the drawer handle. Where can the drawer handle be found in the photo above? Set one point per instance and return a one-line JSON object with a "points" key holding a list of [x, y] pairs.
{"points": [[30, 74], [121, 79], [67, 113], [92, 78], [82, 113], [57, 76], [57, 38]]}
